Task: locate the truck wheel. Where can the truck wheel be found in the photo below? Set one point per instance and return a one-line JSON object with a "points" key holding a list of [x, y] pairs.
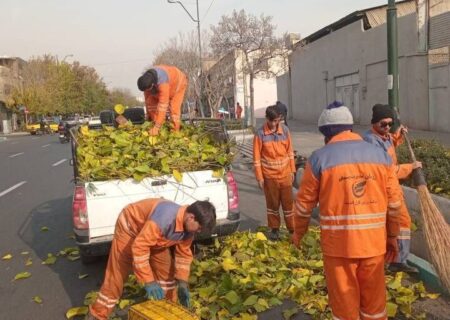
{"points": [[88, 259]]}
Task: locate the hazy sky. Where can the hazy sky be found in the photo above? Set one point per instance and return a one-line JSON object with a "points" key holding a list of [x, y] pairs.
{"points": [[119, 38]]}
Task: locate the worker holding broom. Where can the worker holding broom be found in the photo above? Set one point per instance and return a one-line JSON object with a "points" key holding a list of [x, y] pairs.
{"points": [[153, 239], [379, 135], [273, 159], [358, 194], [164, 88]]}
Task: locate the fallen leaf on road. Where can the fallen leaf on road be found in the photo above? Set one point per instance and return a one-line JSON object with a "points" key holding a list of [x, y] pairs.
{"points": [[288, 313], [44, 229], [73, 258], [51, 259], [82, 276], [28, 262], [37, 299], [7, 257], [24, 252], [79, 311], [71, 236], [124, 303], [22, 275]]}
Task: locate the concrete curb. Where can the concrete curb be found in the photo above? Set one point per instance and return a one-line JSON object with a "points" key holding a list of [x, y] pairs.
{"points": [[412, 201], [14, 134], [427, 273]]}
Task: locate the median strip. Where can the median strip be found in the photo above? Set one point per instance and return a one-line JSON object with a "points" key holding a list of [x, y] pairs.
{"points": [[16, 155], [12, 188], [58, 163]]}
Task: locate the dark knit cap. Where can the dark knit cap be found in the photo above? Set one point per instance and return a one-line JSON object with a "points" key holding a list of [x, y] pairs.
{"points": [[382, 111], [147, 79]]}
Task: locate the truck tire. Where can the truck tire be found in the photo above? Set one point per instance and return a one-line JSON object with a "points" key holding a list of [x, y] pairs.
{"points": [[86, 260]]}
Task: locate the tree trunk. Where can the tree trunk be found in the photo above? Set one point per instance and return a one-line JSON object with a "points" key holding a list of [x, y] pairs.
{"points": [[252, 102]]}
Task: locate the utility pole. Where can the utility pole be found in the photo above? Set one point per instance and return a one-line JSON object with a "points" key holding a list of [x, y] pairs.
{"points": [[199, 49], [392, 46]]}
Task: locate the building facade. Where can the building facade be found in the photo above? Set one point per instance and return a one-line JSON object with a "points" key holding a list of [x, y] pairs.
{"points": [[347, 61], [10, 78]]}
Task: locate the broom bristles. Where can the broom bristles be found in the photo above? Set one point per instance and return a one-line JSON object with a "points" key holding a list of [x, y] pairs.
{"points": [[437, 235]]}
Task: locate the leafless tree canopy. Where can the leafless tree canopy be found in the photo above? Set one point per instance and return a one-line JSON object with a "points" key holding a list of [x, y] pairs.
{"points": [[254, 37]]}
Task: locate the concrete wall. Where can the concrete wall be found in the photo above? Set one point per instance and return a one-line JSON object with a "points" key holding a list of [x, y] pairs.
{"points": [[265, 95], [283, 91], [351, 50], [440, 97]]}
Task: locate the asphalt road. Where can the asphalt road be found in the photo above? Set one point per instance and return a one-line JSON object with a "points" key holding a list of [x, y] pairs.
{"points": [[36, 191]]}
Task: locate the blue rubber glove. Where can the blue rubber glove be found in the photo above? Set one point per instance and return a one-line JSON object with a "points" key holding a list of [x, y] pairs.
{"points": [[154, 291], [183, 294]]}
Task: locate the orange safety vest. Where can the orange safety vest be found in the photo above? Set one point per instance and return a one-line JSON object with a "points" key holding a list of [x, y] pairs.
{"points": [[170, 81], [355, 185], [273, 156], [156, 223]]}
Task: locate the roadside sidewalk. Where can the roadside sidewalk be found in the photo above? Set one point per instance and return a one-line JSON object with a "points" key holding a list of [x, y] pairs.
{"points": [[307, 138], [14, 134]]}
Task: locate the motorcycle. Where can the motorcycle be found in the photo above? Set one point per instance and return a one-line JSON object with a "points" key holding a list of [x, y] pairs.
{"points": [[64, 134]]}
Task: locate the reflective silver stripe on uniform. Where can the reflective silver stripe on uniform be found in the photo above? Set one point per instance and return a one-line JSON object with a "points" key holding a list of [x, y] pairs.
{"points": [[394, 205], [107, 299], [355, 226], [140, 265], [110, 305], [141, 258], [374, 316], [270, 211], [163, 107], [182, 266], [354, 216], [124, 223], [288, 213], [300, 211], [274, 164], [183, 260], [167, 285]]}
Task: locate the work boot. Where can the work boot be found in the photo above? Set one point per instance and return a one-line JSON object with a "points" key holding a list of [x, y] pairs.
{"points": [[274, 235], [402, 267]]}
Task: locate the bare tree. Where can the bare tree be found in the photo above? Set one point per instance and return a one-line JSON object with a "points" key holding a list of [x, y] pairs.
{"points": [[254, 38], [217, 82]]}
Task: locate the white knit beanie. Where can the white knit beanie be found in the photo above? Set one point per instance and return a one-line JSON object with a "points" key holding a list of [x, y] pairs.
{"points": [[334, 119]]}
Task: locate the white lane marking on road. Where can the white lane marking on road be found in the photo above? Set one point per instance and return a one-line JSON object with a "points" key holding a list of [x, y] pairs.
{"points": [[58, 163], [14, 142], [12, 188], [45, 145], [16, 155], [34, 138]]}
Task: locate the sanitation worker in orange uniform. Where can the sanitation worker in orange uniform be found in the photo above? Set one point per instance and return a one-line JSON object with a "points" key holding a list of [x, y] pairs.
{"points": [[357, 190], [153, 239], [164, 88], [273, 159], [382, 121]]}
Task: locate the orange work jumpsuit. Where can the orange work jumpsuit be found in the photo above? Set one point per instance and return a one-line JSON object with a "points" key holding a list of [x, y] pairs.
{"points": [[149, 240], [389, 143], [358, 195], [171, 87], [273, 159]]}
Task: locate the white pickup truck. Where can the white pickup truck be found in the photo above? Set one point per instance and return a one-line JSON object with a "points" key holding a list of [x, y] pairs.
{"points": [[96, 205]]}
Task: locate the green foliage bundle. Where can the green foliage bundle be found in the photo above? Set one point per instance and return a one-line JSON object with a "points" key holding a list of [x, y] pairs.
{"points": [[129, 152], [436, 164]]}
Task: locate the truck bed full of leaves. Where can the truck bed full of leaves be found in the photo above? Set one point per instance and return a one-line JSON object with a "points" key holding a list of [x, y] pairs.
{"points": [[129, 152]]}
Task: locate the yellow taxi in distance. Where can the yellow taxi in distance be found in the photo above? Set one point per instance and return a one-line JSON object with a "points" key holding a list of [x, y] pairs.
{"points": [[33, 128]]}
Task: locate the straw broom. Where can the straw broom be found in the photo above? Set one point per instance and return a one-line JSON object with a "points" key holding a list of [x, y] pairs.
{"points": [[436, 229]]}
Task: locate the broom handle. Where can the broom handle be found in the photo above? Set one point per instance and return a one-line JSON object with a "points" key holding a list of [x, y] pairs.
{"points": [[410, 149], [417, 174]]}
